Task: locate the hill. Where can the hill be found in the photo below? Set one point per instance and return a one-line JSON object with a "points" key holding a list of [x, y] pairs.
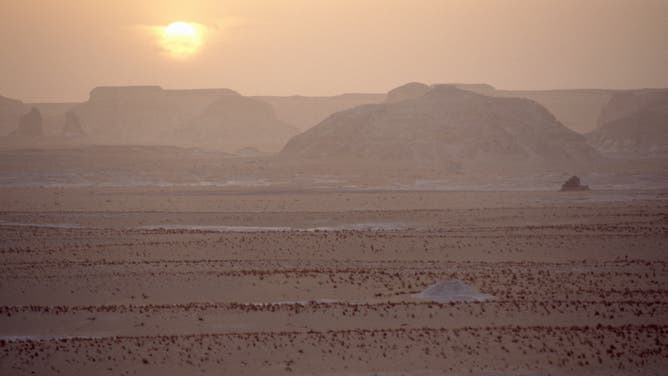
{"points": [[447, 129]]}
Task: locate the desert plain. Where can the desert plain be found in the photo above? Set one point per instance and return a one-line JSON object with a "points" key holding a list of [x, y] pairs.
{"points": [[179, 280], [334, 188]]}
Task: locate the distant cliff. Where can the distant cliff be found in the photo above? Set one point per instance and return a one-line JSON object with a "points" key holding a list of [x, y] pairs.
{"points": [[633, 124], [215, 118]]}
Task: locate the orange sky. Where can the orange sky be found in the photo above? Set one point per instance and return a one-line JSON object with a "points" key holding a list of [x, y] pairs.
{"points": [[57, 50]]}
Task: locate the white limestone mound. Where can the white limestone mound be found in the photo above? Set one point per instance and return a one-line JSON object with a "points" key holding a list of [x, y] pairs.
{"points": [[452, 291]]}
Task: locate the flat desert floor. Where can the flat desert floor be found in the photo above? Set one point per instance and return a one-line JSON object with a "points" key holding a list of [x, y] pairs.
{"points": [[185, 281]]}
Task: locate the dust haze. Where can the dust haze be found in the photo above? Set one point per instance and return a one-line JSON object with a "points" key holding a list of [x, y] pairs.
{"points": [[334, 188]]}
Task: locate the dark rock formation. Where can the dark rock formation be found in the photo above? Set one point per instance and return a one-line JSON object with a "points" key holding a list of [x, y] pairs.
{"points": [[573, 184], [30, 125]]}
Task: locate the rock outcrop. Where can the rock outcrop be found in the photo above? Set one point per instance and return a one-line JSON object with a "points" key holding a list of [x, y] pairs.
{"points": [[573, 184], [446, 129], [30, 125]]}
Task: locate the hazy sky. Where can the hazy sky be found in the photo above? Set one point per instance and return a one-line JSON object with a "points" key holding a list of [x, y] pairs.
{"points": [[58, 50]]}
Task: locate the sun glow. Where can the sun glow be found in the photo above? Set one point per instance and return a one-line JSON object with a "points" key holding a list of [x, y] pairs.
{"points": [[182, 39]]}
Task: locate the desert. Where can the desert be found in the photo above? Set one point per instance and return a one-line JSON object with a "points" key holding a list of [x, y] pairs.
{"points": [[334, 188], [323, 282]]}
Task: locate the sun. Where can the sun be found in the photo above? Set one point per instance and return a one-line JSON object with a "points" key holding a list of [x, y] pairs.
{"points": [[181, 39]]}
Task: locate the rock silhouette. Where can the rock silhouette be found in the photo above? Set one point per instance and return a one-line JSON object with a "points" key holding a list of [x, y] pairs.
{"points": [[573, 184]]}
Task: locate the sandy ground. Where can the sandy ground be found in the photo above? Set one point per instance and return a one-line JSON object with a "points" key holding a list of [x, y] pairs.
{"points": [[175, 281]]}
